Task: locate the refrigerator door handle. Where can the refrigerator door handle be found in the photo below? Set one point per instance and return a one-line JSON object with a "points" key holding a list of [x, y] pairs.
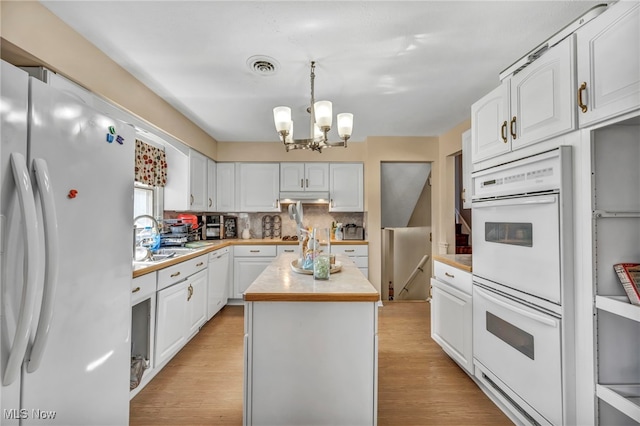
{"points": [[51, 239], [29, 289]]}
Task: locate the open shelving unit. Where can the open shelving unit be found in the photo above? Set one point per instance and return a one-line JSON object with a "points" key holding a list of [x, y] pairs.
{"points": [[615, 175]]}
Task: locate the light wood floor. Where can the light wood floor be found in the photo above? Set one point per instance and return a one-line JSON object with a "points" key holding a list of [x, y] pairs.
{"points": [[417, 383]]}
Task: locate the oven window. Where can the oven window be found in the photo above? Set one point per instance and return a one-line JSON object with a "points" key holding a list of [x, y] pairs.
{"points": [[513, 233], [510, 334]]}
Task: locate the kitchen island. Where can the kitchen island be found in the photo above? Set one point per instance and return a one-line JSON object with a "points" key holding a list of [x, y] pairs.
{"points": [[311, 347]]}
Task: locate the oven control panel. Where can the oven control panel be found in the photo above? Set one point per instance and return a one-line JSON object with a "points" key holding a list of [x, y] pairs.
{"points": [[532, 174]]}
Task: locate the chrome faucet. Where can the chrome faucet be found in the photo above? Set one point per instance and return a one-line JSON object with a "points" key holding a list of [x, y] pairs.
{"points": [[136, 243]]}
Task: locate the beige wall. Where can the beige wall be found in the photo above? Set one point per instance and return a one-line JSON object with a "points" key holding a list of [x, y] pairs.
{"points": [[61, 49], [31, 35], [444, 219]]}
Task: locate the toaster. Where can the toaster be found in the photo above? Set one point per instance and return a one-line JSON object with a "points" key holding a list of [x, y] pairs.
{"points": [[352, 232]]}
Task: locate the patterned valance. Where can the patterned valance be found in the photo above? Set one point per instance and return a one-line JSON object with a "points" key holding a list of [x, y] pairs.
{"points": [[151, 164]]}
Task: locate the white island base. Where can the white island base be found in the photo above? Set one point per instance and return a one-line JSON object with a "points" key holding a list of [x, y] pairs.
{"points": [[311, 350]]}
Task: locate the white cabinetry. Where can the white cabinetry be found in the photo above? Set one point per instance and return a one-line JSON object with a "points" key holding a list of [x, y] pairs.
{"points": [[143, 325], [346, 187], [182, 306], [218, 291], [211, 185], [258, 187], [613, 222], [249, 262], [451, 313], [609, 64], [186, 188], [226, 187], [304, 177], [198, 181], [359, 253], [531, 106]]}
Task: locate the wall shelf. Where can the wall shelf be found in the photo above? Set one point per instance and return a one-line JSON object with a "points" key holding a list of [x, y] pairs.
{"points": [[625, 398], [619, 305]]}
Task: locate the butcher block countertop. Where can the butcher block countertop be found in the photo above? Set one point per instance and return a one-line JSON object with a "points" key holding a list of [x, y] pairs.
{"points": [[460, 261], [279, 283], [141, 268]]}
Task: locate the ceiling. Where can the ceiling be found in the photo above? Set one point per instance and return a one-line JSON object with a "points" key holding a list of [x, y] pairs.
{"points": [[403, 68]]}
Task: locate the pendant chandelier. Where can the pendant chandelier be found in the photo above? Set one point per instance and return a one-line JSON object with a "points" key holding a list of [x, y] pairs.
{"points": [[320, 124]]}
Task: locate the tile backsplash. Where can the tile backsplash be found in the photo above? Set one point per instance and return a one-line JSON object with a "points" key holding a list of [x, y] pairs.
{"points": [[314, 215]]}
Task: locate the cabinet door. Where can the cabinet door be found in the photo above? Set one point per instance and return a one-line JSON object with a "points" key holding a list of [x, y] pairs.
{"points": [[542, 101], [316, 176], [466, 170], [245, 271], [171, 321], [490, 125], [292, 176], [346, 183], [198, 180], [196, 302], [211, 185], [218, 292], [258, 187], [451, 325], [226, 187], [609, 63]]}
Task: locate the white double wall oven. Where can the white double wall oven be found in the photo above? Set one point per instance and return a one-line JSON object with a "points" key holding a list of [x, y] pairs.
{"points": [[522, 285]]}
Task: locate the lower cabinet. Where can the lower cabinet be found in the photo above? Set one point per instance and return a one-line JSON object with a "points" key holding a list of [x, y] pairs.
{"points": [[452, 313], [218, 291], [181, 310], [359, 253], [249, 262]]}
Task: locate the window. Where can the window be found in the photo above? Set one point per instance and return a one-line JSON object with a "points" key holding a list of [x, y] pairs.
{"points": [[147, 200]]}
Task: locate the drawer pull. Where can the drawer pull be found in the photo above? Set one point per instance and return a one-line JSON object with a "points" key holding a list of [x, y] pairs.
{"points": [[449, 275], [254, 251], [349, 251], [175, 275], [199, 263], [289, 251], [135, 290]]}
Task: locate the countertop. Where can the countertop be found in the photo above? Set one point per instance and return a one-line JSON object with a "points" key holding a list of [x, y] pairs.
{"points": [[278, 282], [460, 261], [212, 245]]}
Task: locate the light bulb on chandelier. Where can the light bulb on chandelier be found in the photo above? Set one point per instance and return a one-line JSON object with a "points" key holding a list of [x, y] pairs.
{"points": [[321, 114]]}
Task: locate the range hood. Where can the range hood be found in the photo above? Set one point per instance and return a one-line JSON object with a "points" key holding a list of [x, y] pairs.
{"points": [[305, 197]]}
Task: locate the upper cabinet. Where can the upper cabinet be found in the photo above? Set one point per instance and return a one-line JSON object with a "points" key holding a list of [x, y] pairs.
{"points": [[609, 64], [198, 181], [533, 105], [258, 187], [346, 181], [466, 170], [211, 186], [304, 177], [226, 187]]}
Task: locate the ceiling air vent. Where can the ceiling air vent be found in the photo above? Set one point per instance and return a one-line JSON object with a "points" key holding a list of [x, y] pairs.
{"points": [[263, 65]]}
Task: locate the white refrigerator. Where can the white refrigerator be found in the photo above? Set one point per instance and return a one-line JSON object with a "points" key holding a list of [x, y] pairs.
{"points": [[66, 210]]}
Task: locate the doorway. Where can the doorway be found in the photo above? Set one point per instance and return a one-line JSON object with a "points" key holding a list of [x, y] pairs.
{"points": [[406, 230]]}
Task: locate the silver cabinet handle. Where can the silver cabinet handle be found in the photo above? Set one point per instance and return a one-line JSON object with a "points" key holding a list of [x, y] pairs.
{"points": [[210, 202], [254, 251], [191, 199], [307, 183], [289, 251]]}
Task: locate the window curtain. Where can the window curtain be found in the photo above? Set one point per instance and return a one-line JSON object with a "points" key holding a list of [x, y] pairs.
{"points": [[151, 164]]}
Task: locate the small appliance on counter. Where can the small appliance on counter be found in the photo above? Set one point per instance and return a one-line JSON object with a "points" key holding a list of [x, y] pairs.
{"points": [[352, 231], [230, 227], [212, 229]]}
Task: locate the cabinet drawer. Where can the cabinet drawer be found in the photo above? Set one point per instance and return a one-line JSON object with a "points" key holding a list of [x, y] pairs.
{"points": [[457, 278], [142, 287], [361, 262], [255, 251], [181, 271], [287, 249], [350, 250]]}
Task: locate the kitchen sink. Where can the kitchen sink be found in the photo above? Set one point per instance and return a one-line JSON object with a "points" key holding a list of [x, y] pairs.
{"points": [[164, 254]]}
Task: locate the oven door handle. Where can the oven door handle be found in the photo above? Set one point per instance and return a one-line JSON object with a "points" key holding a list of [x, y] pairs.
{"points": [[536, 317], [522, 201]]}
